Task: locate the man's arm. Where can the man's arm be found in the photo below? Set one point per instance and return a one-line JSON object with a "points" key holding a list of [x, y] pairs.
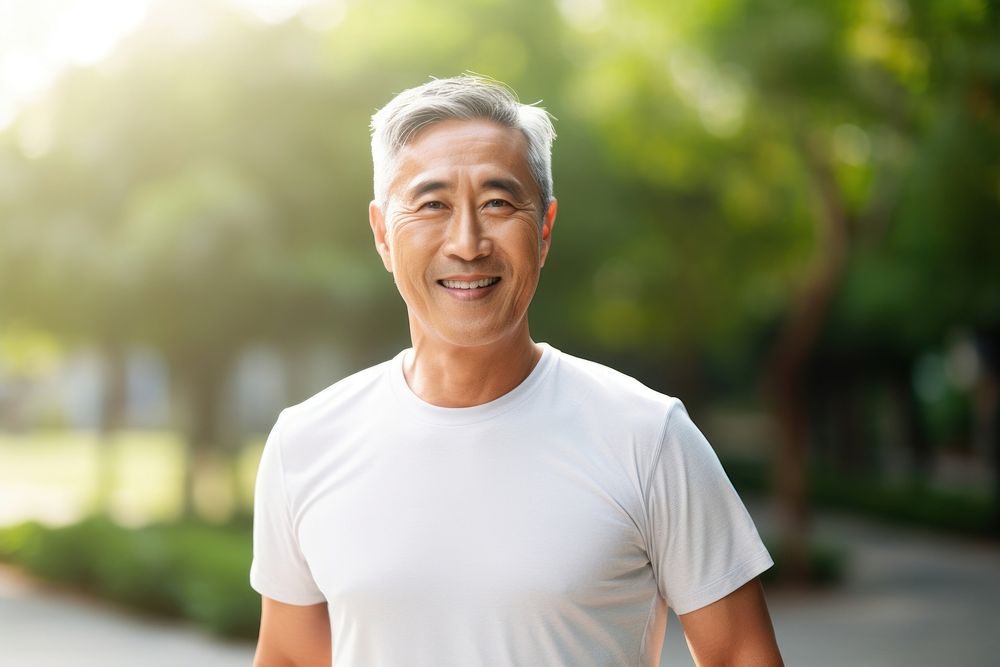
{"points": [[293, 635], [734, 631]]}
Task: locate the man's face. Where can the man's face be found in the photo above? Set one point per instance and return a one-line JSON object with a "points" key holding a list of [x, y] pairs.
{"points": [[461, 233]]}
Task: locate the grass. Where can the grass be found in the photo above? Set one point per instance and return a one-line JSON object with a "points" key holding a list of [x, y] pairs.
{"points": [[53, 477]]}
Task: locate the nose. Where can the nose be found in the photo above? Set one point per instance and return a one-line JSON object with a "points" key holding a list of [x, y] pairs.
{"points": [[466, 238]]}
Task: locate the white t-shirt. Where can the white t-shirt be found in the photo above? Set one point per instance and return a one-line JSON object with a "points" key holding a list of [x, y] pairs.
{"points": [[551, 526]]}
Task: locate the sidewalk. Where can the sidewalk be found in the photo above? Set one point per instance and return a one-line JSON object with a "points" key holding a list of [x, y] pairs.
{"points": [[43, 627], [911, 598]]}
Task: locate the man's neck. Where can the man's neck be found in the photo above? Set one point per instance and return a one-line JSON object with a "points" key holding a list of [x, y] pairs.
{"points": [[452, 376]]}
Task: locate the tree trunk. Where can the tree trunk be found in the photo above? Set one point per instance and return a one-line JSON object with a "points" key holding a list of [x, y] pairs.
{"points": [[786, 366], [297, 370], [988, 400], [114, 398], [914, 434], [849, 448], [205, 380]]}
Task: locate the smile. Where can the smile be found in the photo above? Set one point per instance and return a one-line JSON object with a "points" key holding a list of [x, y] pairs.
{"points": [[461, 284]]}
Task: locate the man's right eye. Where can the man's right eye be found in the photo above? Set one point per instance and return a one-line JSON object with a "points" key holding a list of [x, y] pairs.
{"points": [[434, 205]]}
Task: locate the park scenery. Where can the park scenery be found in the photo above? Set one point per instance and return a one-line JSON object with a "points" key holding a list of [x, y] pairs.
{"points": [[785, 213]]}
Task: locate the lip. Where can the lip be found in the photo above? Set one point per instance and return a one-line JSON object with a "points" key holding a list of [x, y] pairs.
{"points": [[472, 294], [468, 277]]}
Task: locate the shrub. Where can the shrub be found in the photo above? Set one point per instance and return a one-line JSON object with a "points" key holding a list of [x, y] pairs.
{"points": [[178, 569]]}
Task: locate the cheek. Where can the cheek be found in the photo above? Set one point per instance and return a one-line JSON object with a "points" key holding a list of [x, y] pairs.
{"points": [[526, 251], [522, 238], [410, 251]]}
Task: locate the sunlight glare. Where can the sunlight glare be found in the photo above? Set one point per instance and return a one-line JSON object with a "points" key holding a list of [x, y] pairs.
{"points": [[717, 94], [40, 38], [86, 32], [584, 15], [271, 11]]}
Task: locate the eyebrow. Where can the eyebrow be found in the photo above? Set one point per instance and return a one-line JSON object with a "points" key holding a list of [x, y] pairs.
{"points": [[507, 185], [424, 187]]}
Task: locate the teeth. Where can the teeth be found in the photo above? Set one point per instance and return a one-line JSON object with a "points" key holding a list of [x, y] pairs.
{"points": [[461, 284]]}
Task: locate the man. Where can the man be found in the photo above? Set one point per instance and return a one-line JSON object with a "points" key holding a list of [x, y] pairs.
{"points": [[482, 499]]}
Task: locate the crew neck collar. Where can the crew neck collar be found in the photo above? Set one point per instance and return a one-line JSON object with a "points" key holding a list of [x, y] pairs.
{"points": [[436, 414]]}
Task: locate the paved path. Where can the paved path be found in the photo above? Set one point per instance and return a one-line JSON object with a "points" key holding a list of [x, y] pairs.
{"points": [[43, 627], [912, 598]]}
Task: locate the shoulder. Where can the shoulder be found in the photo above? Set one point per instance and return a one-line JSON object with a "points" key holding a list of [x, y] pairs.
{"points": [[345, 401], [618, 406], [597, 385], [613, 407]]}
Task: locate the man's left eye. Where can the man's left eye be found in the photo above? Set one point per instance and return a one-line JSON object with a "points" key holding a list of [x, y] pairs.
{"points": [[494, 203]]}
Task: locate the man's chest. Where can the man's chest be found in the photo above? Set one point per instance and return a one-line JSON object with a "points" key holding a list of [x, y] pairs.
{"points": [[500, 528]]}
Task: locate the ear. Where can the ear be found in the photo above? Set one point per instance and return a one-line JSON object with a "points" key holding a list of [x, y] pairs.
{"points": [[547, 223], [377, 221]]}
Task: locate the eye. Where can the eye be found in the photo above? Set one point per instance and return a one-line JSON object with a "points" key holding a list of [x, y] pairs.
{"points": [[433, 205], [496, 203]]}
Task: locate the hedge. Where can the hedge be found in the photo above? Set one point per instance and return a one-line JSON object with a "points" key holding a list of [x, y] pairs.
{"points": [[182, 569]]}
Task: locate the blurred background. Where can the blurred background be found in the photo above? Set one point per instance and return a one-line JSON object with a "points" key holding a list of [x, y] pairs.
{"points": [[786, 213]]}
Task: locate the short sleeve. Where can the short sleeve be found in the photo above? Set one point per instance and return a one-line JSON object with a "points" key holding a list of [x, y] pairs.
{"points": [[279, 570], [703, 544]]}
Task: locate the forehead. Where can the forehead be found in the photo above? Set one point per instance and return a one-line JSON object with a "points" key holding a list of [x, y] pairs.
{"points": [[452, 150]]}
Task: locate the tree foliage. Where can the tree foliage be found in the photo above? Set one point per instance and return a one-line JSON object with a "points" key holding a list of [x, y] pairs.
{"points": [[207, 186]]}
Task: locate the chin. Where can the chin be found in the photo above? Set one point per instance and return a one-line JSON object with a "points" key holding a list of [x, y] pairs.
{"points": [[476, 337]]}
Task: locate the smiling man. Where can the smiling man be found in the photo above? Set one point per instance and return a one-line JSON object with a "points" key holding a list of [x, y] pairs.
{"points": [[482, 499]]}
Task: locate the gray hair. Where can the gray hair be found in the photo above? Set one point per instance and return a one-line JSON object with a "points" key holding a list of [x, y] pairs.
{"points": [[465, 97]]}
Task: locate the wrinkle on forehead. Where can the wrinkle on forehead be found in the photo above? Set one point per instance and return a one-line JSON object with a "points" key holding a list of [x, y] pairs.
{"points": [[483, 149]]}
